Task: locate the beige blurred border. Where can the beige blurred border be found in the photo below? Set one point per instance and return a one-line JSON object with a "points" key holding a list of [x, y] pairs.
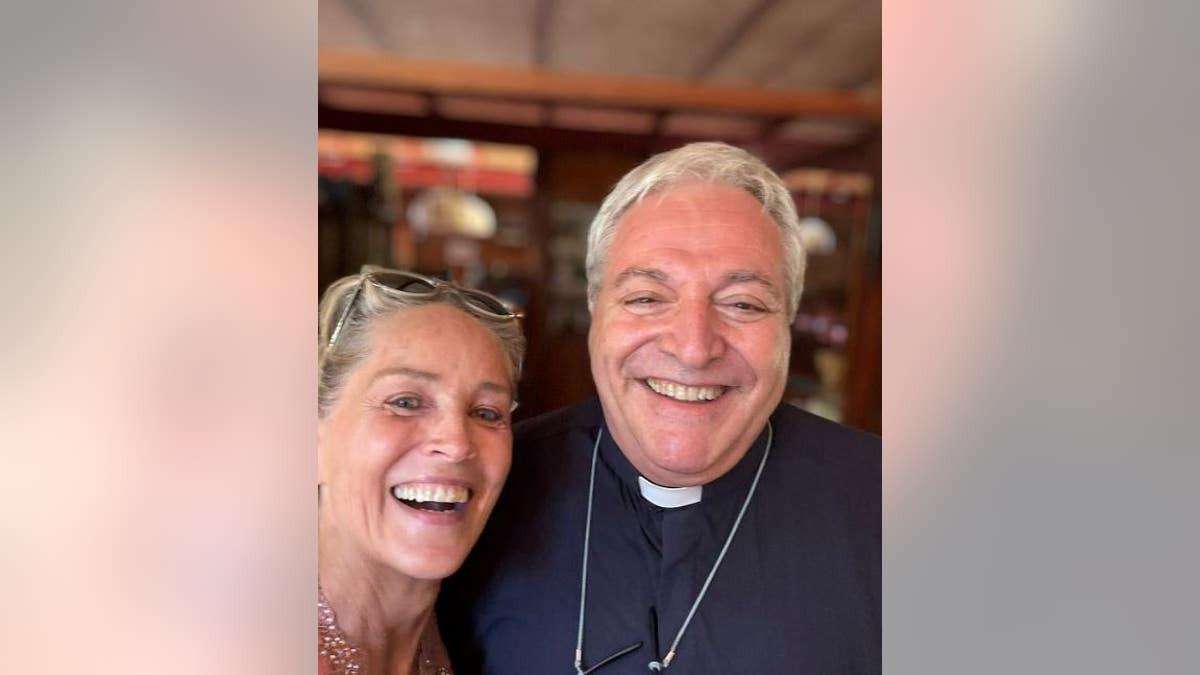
{"points": [[160, 276]]}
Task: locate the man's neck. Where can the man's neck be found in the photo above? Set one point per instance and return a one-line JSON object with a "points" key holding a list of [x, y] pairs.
{"points": [[668, 497]]}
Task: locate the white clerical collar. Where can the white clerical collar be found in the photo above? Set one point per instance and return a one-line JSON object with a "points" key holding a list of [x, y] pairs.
{"points": [[669, 498]]}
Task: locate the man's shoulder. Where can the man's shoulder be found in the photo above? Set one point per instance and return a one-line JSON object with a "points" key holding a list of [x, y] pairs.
{"points": [[818, 439]]}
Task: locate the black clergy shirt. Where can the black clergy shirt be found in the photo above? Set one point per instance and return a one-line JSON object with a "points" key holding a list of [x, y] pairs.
{"points": [[797, 592]]}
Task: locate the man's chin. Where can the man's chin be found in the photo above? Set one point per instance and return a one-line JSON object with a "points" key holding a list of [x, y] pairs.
{"points": [[682, 459]]}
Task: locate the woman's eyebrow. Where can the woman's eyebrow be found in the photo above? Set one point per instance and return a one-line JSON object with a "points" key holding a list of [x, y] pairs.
{"points": [[495, 388], [404, 371], [427, 376]]}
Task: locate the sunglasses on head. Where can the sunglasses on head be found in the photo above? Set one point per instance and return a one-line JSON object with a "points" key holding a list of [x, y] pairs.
{"points": [[411, 283]]}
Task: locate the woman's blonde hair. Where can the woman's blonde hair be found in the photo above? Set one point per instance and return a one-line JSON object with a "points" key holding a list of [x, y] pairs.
{"points": [[373, 301]]}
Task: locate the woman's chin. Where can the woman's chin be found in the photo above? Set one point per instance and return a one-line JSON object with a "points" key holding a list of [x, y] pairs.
{"points": [[428, 565]]}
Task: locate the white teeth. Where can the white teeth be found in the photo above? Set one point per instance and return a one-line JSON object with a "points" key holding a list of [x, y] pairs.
{"points": [[682, 392], [454, 494]]}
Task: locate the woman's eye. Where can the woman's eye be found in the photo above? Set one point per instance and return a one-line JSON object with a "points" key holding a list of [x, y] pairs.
{"points": [[489, 415], [405, 402]]}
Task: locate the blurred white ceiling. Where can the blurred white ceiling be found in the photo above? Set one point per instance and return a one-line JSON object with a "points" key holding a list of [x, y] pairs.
{"points": [[779, 44]]}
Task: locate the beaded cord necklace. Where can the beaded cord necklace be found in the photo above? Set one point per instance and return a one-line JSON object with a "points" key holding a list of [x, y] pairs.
{"points": [[346, 659], [655, 665]]}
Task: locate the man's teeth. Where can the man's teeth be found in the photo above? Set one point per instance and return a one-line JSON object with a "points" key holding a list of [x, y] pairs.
{"points": [[449, 494], [682, 392]]}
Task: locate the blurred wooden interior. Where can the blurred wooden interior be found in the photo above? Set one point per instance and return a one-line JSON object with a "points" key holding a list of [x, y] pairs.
{"points": [[475, 140]]}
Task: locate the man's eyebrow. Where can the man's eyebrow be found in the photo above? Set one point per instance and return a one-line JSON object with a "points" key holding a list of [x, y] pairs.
{"points": [[644, 272], [752, 277], [744, 276]]}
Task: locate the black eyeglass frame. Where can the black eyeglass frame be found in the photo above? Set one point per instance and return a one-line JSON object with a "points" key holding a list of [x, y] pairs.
{"points": [[482, 303]]}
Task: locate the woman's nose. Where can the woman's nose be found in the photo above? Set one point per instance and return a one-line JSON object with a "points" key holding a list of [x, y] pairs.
{"points": [[451, 438]]}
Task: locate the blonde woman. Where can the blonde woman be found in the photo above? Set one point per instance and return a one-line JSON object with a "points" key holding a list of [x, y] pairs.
{"points": [[417, 385]]}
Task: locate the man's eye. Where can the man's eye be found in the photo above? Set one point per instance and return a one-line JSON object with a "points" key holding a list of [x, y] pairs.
{"points": [[643, 303], [749, 307]]}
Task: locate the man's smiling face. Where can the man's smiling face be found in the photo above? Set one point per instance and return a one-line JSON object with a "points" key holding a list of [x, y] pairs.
{"points": [[690, 336]]}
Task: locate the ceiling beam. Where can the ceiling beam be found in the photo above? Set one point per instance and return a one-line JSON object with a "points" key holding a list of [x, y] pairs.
{"points": [[542, 12], [731, 38], [366, 19], [372, 70], [782, 155], [866, 78], [806, 40]]}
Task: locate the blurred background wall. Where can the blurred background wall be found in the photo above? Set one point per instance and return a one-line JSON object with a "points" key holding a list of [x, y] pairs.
{"points": [[475, 140]]}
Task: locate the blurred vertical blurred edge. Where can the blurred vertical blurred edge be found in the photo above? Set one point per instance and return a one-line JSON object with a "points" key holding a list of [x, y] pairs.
{"points": [[1039, 367], [159, 272]]}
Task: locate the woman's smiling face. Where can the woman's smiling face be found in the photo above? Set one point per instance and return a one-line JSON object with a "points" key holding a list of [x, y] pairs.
{"points": [[415, 450]]}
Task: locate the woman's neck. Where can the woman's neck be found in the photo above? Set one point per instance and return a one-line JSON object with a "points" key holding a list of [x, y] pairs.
{"points": [[378, 610]]}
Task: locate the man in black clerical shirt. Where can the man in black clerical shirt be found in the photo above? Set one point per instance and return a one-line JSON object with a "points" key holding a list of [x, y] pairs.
{"points": [[686, 520]]}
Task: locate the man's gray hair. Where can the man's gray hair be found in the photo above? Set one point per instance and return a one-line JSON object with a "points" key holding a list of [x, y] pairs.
{"points": [[376, 302], [713, 162]]}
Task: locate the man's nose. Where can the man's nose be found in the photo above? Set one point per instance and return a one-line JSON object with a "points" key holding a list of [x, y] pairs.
{"points": [[694, 335], [450, 437]]}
